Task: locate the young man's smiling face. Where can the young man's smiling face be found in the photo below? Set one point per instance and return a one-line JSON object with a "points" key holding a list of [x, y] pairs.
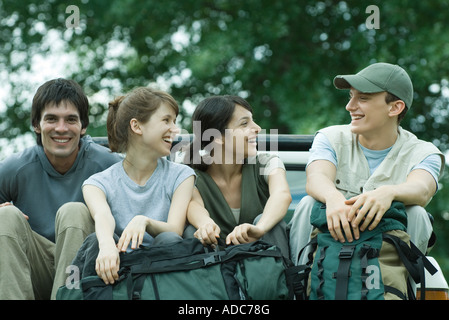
{"points": [[61, 129], [369, 111]]}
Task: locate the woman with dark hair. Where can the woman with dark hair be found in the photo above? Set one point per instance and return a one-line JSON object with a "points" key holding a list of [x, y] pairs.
{"points": [[240, 196]]}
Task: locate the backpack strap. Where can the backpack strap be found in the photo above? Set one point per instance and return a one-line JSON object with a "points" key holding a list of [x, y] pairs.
{"points": [[319, 290], [414, 261], [298, 274], [343, 273], [365, 253], [297, 277], [135, 285], [395, 291], [94, 288]]}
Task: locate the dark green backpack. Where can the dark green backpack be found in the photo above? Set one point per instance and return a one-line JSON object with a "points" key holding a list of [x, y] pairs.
{"points": [[375, 267], [185, 270]]}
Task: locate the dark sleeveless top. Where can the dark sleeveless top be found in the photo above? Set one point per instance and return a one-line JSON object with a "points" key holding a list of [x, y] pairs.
{"points": [[255, 194]]}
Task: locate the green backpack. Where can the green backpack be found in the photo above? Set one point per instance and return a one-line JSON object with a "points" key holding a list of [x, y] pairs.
{"points": [[186, 270], [374, 267]]}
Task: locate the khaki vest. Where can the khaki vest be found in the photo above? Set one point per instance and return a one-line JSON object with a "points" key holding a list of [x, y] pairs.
{"points": [[353, 174]]}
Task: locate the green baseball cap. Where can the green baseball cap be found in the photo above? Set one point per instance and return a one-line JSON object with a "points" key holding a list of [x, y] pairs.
{"points": [[379, 77]]}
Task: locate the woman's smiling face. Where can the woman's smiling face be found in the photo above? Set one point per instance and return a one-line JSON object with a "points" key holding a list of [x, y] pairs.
{"points": [[160, 130], [242, 133]]}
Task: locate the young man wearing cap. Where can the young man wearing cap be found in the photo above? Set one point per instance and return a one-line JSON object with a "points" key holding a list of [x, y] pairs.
{"points": [[359, 169]]}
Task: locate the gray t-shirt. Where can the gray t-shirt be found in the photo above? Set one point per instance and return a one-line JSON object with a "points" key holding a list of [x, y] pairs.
{"points": [[29, 181], [128, 199]]}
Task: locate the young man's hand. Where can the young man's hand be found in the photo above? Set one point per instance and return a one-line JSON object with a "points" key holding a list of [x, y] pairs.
{"points": [[337, 221], [367, 209]]}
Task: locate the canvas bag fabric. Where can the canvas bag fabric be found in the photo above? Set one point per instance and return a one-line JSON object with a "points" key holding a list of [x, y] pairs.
{"points": [[385, 251], [185, 270]]}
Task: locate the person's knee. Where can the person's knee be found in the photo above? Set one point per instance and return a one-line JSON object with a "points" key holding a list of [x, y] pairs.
{"points": [[257, 218], [12, 220], [303, 210], [418, 215], [416, 210], [74, 214], [307, 202], [189, 232], [419, 226], [166, 238]]}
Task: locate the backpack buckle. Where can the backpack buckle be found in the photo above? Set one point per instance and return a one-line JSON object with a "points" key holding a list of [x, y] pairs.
{"points": [[212, 259], [343, 272], [346, 252]]}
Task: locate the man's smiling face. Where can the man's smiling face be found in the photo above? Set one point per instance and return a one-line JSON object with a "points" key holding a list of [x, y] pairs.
{"points": [[61, 129], [369, 111]]}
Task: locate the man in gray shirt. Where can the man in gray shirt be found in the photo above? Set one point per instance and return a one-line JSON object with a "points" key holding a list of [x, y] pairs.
{"points": [[43, 218]]}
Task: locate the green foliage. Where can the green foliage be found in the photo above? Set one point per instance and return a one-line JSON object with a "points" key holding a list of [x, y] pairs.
{"points": [[280, 55]]}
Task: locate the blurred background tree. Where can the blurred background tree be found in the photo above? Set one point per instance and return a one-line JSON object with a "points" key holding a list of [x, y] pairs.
{"points": [[279, 55]]}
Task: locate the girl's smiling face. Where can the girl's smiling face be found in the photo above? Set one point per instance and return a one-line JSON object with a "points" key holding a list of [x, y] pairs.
{"points": [[159, 131], [241, 134]]}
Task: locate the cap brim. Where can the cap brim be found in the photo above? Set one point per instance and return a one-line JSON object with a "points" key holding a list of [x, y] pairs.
{"points": [[357, 82]]}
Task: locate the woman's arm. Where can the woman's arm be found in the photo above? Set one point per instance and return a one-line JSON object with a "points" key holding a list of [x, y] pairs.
{"points": [[135, 230], [177, 215], [274, 211], [197, 215], [108, 261], [278, 202]]}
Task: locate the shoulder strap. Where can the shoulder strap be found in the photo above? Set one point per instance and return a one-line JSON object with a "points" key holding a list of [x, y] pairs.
{"points": [[414, 261], [343, 273]]}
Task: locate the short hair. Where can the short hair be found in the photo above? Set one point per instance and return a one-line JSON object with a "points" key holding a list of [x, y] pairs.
{"points": [[390, 98], [55, 91]]}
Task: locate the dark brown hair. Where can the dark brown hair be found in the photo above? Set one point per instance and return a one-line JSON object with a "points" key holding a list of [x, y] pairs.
{"points": [[390, 98], [55, 91], [212, 113]]}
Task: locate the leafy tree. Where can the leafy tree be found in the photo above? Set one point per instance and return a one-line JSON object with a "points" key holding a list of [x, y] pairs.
{"points": [[280, 55]]}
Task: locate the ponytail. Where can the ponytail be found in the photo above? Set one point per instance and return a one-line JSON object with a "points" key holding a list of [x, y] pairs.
{"points": [[115, 136]]}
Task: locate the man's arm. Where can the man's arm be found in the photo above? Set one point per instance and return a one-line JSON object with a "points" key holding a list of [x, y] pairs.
{"points": [[418, 189], [320, 185]]}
